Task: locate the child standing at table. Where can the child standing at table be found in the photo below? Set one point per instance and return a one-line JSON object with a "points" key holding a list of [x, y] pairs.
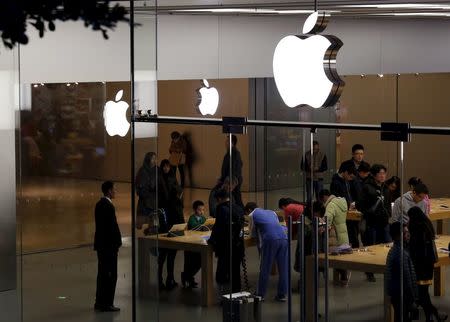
{"points": [[192, 260]]}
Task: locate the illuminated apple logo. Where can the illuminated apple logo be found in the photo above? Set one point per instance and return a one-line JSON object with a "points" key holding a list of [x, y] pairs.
{"points": [[208, 99], [304, 67], [115, 116]]}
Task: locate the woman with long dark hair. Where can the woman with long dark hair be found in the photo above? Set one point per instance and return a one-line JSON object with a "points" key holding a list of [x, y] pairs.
{"points": [[424, 256]]}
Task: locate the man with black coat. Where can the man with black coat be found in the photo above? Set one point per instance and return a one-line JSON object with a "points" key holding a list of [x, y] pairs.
{"points": [[220, 241], [236, 169], [341, 186], [375, 208], [107, 242]]}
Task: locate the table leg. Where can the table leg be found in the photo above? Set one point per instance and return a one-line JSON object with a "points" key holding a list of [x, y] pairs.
{"points": [[388, 309], [439, 281], [439, 227], [144, 266], [208, 296], [309, 284]]}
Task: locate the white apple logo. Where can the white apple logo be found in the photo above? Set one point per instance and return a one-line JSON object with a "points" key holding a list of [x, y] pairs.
{"points": [[208, 99], [115, 116], [304, 66]]}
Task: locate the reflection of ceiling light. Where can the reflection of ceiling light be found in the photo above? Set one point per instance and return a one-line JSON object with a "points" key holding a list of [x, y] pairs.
{"points": [[399, 6], [248, 10], [380, 75], [68, 84], [414, 14], [42, 84], [35, 85]]}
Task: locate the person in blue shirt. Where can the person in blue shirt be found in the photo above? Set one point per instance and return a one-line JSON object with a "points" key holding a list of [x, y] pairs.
{"points": [[273, 245]]}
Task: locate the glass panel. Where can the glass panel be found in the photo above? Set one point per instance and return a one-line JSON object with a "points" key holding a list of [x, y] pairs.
{"points": [[146, 156], [10, 269]]}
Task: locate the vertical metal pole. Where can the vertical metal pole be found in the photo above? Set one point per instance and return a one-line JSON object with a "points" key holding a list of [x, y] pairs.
{"points": [[311, 168], [133, 192], [230, 191], [316, 268], [289, 227], [401, 234], [302, 258], [326, 268]]}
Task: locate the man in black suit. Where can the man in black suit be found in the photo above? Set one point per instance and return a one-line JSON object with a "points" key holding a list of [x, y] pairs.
{"points": [[107, 242]]}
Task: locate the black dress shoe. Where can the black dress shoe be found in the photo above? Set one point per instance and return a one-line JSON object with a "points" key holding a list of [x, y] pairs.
{"points": [[111, 308], [171, 284]]}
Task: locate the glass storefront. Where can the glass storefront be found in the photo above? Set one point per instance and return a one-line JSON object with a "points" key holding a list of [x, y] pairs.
{"points": [[187, 185]]}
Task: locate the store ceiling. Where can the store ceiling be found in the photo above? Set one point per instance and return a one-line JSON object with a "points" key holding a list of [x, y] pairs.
{"points": [[374, 9]]}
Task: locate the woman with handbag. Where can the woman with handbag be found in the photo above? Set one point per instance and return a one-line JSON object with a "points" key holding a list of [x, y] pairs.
{"points": [[424, 255]]}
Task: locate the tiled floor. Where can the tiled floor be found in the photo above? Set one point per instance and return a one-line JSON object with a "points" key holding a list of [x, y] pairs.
{"points": [[59, 287]]}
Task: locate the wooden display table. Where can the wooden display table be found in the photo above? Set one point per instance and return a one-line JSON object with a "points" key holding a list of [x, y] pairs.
{"points": [[193, 241], [374, 260], [440, 210]]}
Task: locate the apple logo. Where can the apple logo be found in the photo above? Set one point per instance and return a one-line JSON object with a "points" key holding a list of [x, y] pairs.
{"points": [[304, 67], [114, 114], [207, 99]]}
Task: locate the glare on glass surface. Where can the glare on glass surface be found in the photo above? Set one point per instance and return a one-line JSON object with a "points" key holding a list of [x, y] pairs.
{"points": [[299, 71], [115, 117]]}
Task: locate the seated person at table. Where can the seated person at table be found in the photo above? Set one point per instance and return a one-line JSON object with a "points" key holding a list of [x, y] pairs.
{"points": [[414, 198], [273, 245], [220, 241], [193, 260], [393, 273]]}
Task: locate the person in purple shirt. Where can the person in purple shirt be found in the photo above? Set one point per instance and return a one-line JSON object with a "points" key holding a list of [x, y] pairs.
{"points": [[273, 245]]}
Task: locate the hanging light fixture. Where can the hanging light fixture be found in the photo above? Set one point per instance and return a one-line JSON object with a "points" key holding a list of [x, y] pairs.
{"points": [[304, 66]]}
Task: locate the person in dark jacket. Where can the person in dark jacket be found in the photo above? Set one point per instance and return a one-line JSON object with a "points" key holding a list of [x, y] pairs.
{"points": [[357, 156], [236, 169], [376, 209], [393, 274], [424, 255], [362, 173], [107, 241], [319, 167], [394, 186], [173, 210], [220, 241], [341, 182], [341, 186], [225, 185], [151, 190]]}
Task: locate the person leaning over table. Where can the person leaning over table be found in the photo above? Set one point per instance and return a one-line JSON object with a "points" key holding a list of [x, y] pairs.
{"points": [[193, 260], [412, 182], [220, 241], [394, 272], [424, 255], [376, 209], [336, 215], [273, 245], [414, 198]]}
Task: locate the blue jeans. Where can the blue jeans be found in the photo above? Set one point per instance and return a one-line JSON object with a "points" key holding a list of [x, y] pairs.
{"points": [[317, 186], [272, 250]]}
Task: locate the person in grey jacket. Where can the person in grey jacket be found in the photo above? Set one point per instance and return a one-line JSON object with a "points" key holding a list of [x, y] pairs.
{"points": [[414, 198]]}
